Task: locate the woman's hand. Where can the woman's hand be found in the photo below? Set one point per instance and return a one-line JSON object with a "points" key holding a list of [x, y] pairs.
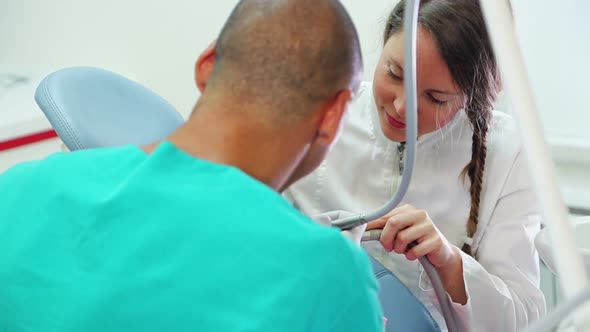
{"points": [[410, 231], [406, 224]]}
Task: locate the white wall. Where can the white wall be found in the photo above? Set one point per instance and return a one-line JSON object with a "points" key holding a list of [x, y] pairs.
{"points": [[155, 42], [555, 40]]}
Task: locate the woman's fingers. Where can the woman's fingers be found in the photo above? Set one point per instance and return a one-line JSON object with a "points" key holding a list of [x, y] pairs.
{"points": [[407, 236], [381, 222], [394, 225], [391, 230], [425, 247], [377, 224], [406, 225]]}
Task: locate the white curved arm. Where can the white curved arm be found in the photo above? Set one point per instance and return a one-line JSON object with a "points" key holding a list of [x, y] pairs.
{"points": [[570, 267]]}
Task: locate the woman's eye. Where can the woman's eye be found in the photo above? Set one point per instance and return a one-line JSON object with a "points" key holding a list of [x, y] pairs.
{"points": [[391, 74], [437, 101]]}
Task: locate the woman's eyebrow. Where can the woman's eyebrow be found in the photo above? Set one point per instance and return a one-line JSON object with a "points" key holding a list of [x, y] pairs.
{"points": [[443, 92]]}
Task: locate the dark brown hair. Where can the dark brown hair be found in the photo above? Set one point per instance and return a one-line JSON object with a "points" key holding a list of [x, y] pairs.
{"points": [[458, 28]]}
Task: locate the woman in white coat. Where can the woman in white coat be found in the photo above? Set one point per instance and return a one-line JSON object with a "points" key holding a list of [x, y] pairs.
{"points": [[470, 205]]}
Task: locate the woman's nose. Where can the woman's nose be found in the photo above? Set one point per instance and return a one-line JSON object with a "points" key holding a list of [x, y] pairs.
{"points": [[399, 104]]}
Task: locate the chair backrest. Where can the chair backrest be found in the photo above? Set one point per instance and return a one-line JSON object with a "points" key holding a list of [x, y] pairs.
{"points": [[91, 107], [402, 309]]}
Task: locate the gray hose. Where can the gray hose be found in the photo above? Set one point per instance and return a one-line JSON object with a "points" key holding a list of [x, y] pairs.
{"points": [[410, 86], [441, 295], [439, 289]]}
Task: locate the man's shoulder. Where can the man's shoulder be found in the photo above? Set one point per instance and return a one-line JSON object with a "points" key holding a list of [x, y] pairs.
{"points": [[29, 171], [344, 262], [62, 167], [332, 251]]}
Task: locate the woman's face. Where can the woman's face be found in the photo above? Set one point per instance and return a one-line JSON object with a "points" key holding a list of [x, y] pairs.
{"points": [[439, 98]]}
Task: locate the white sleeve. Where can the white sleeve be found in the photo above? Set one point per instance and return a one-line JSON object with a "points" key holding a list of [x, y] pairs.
{"points": [[503, 284]]}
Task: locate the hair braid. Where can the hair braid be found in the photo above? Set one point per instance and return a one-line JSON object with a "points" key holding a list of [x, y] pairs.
{"points": [[475, 169]]}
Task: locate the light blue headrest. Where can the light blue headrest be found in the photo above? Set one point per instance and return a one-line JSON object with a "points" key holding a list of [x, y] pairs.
{"points": [[91, 107]]}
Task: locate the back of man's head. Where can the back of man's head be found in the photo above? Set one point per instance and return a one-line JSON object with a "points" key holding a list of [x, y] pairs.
{"points": [[283, 56]]}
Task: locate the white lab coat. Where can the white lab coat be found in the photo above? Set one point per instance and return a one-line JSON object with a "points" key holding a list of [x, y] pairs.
{"points": [[362, 172]]}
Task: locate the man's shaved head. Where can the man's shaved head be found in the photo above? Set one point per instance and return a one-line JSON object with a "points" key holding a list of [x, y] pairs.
{"points": [[286, 55]]}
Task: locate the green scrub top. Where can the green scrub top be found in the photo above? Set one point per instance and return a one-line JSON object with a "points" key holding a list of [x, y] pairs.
{"points": [[118, 240]]}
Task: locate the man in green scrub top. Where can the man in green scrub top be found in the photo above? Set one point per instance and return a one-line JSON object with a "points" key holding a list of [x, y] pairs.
{"points": [[192, 234]]}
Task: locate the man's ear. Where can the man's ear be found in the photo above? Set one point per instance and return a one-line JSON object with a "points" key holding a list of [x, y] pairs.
{"points": [[204, 66], [328, 122], [331, 122]]}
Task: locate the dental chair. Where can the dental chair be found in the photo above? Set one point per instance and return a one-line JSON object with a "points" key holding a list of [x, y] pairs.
{"points": [[93, 108]]}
